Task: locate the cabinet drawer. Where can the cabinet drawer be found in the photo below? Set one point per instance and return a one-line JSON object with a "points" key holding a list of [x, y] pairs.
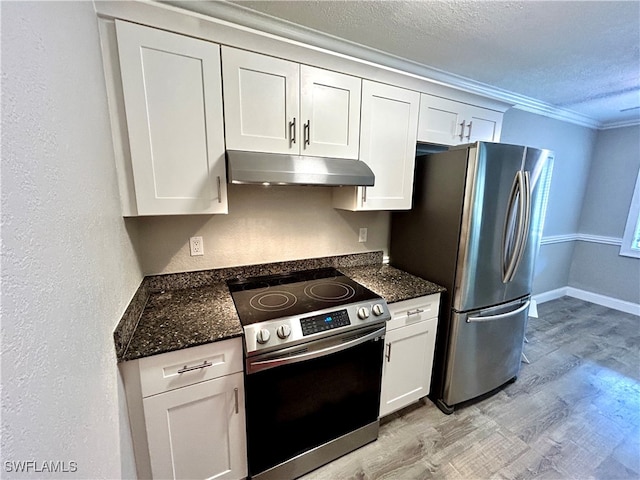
{"points": [[412, 311], [161, 373]]}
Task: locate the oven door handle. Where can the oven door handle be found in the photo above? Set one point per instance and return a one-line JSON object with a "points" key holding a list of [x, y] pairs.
{"points": [[258, 365]]}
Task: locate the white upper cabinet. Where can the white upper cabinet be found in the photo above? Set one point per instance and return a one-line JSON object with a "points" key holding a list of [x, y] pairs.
{"points": [[388, 146], [276, 106], [448, 122], [260, 102], [173, 101]]}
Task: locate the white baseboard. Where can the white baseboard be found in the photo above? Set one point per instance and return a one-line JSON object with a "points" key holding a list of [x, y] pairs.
{"points": [[605, 301], [550, 295]]}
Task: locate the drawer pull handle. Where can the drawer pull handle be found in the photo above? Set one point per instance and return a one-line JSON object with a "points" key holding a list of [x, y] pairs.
{"points": [[235, 392], [204, 364], [417, 311], [388, 355]]}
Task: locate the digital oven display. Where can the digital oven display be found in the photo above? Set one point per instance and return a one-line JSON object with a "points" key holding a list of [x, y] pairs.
{"points": [[327, 321]]}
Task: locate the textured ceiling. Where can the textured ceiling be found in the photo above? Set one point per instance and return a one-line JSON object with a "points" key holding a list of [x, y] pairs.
{"points": [[582, 56]]}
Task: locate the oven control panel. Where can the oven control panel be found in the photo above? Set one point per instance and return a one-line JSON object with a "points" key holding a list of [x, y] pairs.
{"points": [[321, 323], [296, 330]]}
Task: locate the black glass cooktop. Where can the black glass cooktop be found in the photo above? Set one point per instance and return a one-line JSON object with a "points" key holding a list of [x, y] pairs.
{"points": [[259, 299]]}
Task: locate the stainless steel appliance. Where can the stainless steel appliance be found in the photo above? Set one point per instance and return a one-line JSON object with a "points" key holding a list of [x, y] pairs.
{"points": [[282, 169], [475, 228], [313, 342]]}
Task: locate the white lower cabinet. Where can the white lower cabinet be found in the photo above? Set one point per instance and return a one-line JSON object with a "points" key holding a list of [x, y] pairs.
{"points": [[408, 352], [186, 410], [197, 431]]}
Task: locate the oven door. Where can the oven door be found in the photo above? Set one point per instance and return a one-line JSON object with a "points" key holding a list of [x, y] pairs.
{"points": [[312, 403]]}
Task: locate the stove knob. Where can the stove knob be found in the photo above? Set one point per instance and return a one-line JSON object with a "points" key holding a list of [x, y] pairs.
{"points": [[284, 331], [363, 313], [263, 335], [377, 310]]}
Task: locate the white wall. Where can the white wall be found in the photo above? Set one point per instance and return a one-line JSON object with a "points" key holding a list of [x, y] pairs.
{"points": [[264, 224], [68, 265], [573, 146]]}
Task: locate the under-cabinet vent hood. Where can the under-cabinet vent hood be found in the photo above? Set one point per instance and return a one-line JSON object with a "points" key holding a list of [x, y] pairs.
{"points": [[280, 169]]}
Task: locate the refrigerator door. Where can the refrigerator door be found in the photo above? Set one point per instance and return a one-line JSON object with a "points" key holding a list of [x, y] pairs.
{"points": [[501, 224], [538, 165], [484, 351]]}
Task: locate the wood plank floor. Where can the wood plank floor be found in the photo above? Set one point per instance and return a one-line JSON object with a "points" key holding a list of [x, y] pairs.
{"points": [[573, 413]]}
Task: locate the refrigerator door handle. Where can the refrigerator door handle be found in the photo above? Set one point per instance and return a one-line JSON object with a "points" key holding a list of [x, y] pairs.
{"points": [[511, 247], [500, 316], [524, 233]]}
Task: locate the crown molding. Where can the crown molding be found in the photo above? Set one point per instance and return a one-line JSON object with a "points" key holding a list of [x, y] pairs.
{"points": [[246, 17], [621, 124]]}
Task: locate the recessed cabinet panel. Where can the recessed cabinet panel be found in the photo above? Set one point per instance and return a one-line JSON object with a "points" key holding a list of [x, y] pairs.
{"points": [[263, 115], [408, 355], [198, 431], [485, 125], [447, 122], [176, 125], [276, 106], [407, 367], [173, 102], [440, 121], [329, 113], [388, 146], [260, 102]]}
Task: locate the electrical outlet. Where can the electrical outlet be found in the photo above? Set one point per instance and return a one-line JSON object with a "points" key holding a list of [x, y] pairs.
{"points": [[196, 246], [362, 236]]}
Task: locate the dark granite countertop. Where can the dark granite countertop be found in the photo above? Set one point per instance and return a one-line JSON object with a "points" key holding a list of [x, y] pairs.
{"points": [[390, 283], [176, 311], [176, 319]]}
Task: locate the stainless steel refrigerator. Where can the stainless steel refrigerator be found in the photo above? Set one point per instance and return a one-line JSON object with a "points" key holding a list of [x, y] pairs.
{"points": [[475, 228]]}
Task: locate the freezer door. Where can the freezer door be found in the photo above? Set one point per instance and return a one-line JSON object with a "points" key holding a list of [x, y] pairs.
{"points": [[501, 223], [484, 352]]}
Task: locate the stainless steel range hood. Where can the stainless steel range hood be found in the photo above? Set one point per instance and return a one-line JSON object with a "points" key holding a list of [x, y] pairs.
{"points": [[278, 169]]}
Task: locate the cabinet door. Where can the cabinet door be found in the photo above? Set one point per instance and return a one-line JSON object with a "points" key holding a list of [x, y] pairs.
{"points": [[198, 431], [406, 372], [388, 145], [440, 121], [329, 113], [483, 125], [260, 102], [173, 102]]}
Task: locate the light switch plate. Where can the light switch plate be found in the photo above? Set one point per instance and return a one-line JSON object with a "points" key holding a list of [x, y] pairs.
{"points": [[362, 236]]}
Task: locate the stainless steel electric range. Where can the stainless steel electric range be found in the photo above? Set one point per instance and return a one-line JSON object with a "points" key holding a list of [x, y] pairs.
{"points": [[313, 345]]}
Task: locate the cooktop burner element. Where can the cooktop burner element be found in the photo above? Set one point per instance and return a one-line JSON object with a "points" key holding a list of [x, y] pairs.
{"points": [[282, 310], [329, 291], [272, 301]]}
